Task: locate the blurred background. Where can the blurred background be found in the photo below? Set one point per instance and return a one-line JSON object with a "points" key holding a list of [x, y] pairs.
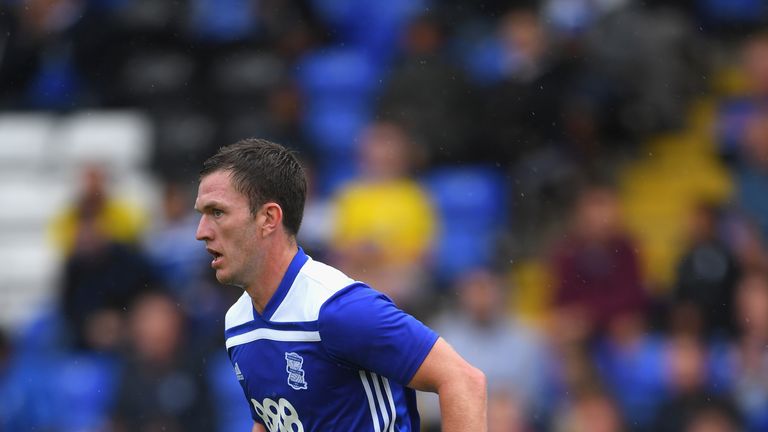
{"points": [[574, 193]]}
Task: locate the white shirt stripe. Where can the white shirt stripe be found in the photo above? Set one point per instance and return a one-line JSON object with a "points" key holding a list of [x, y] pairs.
{"points": [[391, 403], [275, 335], [368, 393], [380, 398]]}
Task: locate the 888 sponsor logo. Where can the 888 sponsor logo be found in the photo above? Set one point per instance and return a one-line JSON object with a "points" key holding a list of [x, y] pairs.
{"points": [[278, 416]]}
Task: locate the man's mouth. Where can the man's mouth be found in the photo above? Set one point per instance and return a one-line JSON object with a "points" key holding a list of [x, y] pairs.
{"points": [[216, 256]]}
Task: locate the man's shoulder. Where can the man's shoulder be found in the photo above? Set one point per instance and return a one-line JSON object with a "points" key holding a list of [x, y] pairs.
{"points": [[315, 284], [239, 313], [325, 276]]}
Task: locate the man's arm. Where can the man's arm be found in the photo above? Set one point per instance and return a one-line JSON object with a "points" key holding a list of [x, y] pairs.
{"points": [[460, 387], [258, 428]]}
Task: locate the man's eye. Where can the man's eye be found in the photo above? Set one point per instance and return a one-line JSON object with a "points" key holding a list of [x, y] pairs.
{"points": [[217, 213]]}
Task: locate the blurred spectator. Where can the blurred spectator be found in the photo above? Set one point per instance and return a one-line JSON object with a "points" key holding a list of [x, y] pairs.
{"points": [[182, 265], [284, 116], [512, 356], [38, 71], [162, 386], [384, 220], [170, 243], [714, 417], [6, 350], [318, 222], [521, 111], [749, 358], [431, 98], [596, 267], [6, 355], [745, 239], [688, 382], [752, 172], [100, 279], [755, 65], [590, 411], [735, 111], [506, 413], [599, 297], [97, 210], [706, 277], [642, 79], [743, 134], [630, 361]]}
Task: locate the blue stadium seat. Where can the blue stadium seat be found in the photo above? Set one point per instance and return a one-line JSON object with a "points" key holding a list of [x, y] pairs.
{"points": [[333, 130], [231, 406], [371, 25], [471, 205], [635, 377], [44, 336], [733, 11], [379, 25], [224, 20], [338, 85], [24, 383], [335, 13], [338, 73], [83, 390], [485, 61], [25, 394], [57, 84], [61, 392]]}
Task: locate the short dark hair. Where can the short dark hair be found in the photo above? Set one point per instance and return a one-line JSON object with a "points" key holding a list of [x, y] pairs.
{"points": [[264, 171]]}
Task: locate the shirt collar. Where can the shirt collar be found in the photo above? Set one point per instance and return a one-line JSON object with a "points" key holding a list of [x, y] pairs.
{"points": [[294, 267]]}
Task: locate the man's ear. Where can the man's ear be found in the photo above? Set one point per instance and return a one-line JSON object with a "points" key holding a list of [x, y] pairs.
{"points": [[272, 215]]}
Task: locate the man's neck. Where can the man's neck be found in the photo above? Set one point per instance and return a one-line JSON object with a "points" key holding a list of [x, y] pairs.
{"points": [[272, 273]]}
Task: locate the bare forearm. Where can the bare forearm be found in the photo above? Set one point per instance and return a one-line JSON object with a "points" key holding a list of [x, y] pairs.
{"points": [[257, 428], [463, 404], [460, 387]]}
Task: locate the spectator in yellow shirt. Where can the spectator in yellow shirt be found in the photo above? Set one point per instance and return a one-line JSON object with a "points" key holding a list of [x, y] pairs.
{"points": [[115, 219], [384, 219]]}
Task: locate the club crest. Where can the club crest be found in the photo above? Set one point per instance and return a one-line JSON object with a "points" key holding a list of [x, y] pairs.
{"points": [[293, 365]]}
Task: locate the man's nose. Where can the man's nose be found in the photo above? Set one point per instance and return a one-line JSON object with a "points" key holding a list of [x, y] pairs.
{"points": [[203, 230]]}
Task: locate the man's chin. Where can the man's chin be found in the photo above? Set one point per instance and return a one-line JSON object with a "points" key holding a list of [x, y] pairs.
{"points": [[225, 279]]}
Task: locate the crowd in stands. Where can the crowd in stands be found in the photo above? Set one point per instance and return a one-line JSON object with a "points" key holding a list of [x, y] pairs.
{"points": [[452, 146]]}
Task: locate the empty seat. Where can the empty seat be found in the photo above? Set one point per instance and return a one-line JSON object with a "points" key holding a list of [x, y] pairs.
{"points": [[155, 77], [333, 130], [373, 26], [27, 257], [184, 138], [28, 272], [19, 301], [117, 139], [30, 201], [224, 20], [247, 71], [337, 73], [24, 140], [471, 191], [471, 205]]}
